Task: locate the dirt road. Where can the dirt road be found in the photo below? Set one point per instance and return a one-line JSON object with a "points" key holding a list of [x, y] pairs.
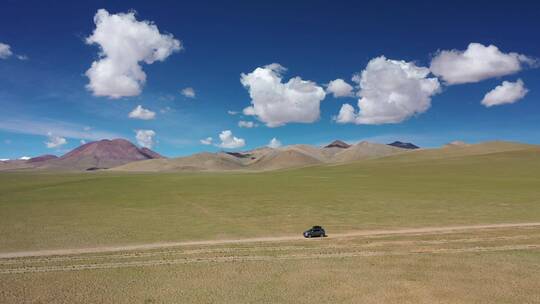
{"points": [[150, 246]]}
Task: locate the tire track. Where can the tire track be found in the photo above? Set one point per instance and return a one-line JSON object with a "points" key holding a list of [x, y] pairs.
{"points": [[228, 259]]}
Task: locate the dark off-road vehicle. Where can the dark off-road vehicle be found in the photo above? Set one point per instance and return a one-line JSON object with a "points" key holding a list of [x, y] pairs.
{"points": [[315, 231]]}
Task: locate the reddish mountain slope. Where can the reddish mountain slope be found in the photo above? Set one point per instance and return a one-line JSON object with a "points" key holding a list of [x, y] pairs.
{"points": [[338, 144], [100, 155], [21, 164], [41, 158]]}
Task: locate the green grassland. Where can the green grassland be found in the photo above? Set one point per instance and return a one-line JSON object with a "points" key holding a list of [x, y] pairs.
{"points": [[48, 211], [421, 189]]}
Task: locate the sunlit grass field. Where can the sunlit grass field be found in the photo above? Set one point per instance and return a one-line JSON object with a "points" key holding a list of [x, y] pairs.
{"points": [[489, 266], [48, 211], [69, 210]]}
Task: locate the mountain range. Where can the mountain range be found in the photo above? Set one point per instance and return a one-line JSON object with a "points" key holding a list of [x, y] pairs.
{"points": [[122, 155], [95, 155]]}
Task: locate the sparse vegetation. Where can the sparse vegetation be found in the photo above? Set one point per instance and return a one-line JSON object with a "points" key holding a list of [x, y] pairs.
{"points": [[484, 266]]}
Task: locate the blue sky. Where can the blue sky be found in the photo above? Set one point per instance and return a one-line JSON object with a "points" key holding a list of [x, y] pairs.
{"points": [[44, 97]]}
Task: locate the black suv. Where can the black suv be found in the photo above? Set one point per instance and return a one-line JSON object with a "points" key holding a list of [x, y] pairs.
{"points": [[315, 231]]}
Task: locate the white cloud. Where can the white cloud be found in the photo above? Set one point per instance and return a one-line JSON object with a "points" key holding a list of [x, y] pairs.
{"points": [[232, 112], [125, 43], [391, 91], [247, 124], [346, 114], [207, 141], [228, 141], [250, 111], [4, 159], [188, 92], [507, 92], [24, 157], [274, 143], [55, 141], [145, 138], [476, 63], [141, 113], [5, 51], [276, 103], [339, 88]]}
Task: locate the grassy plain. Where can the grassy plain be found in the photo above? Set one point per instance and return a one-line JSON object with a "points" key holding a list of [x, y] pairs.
{"points": [[48, 211], [481, 266], [54, 211]]}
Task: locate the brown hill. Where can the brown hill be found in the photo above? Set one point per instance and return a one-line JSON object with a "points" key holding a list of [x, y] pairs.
{"points": [[150, 153], [288, 157], [312, 151], [263, 159], [198, 162], [26, 164], [338, 144], [365, 150], [100, 155], [16, 164], [122, 155], [41, 158]]}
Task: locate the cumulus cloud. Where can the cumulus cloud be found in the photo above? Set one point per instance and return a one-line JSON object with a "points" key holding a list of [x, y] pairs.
{"points": [[391, 91], [276, 103], [232, 112], [347, 114], [274, 143], [247, 124], [339, 88], [55, 141], [249, 111], [125, 43], [5, 51], [507, 92], [188, 92], [228, 141], [476, 63], [141, 113], [24, 157], [145, 138], [207, 141]]}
